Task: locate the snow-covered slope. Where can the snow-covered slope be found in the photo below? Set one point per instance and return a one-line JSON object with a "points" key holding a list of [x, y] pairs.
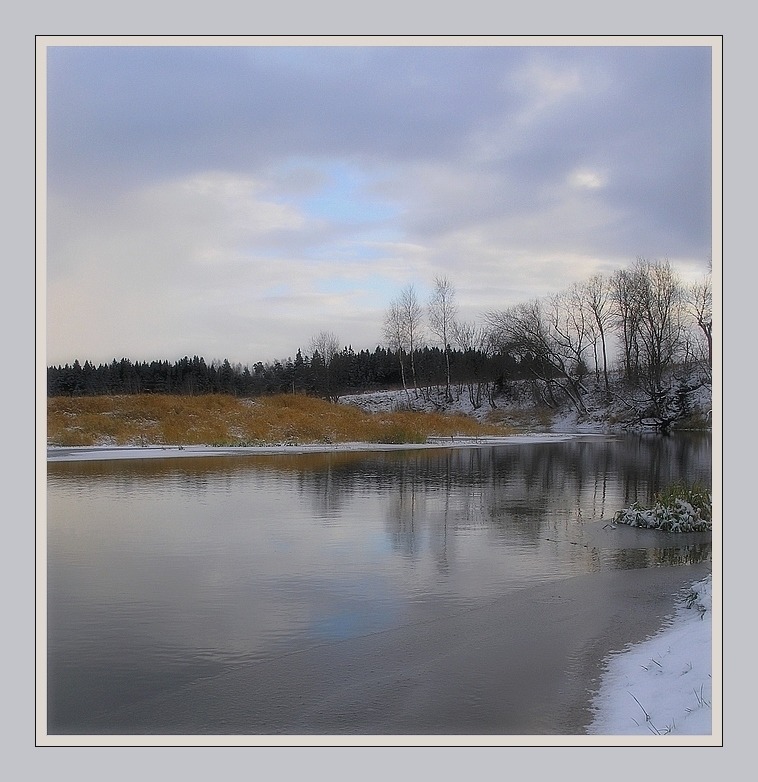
{"points": [[518, 407]]}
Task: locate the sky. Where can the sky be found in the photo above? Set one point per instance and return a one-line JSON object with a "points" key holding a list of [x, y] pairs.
{"points": [[234, 201]]}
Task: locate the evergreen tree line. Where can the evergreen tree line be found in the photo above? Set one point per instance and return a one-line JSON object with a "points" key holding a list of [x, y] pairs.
{"points": [[642, 322], [347, 372]]}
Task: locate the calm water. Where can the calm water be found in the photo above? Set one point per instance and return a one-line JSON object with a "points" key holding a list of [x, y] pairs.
{"points": [[173, 583]]}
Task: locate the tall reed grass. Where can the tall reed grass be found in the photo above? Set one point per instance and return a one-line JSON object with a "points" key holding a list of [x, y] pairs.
{"points": [[226, 420]]}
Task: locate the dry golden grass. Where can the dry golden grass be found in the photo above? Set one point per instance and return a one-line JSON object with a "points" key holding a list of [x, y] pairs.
{"points": [[228, 420]]}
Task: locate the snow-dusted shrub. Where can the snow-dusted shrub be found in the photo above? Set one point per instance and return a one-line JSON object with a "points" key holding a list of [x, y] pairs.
{"points": [[678, 509], [699, 596]]}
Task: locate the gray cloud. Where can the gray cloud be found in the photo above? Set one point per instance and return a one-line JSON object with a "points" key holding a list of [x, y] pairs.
{"points": [[292, 185]]}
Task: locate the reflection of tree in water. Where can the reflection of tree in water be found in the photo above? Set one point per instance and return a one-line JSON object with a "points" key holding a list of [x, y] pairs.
{"points": [[404, 519], [520, 492], [689, 554], [511, 489], [325, 488], [420, 507], [650, 463], [402, 479], [444, 522]]}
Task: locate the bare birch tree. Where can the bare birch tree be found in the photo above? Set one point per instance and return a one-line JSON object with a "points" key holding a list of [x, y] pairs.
{"points": [[411, 316], [597, 295], [395, 335], [571, 327], [442, 316]]}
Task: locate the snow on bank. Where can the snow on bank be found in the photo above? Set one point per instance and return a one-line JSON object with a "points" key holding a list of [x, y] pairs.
{"points": [[57, 453], [433, 401], [662, 686], [518, 412], [517, 407]]}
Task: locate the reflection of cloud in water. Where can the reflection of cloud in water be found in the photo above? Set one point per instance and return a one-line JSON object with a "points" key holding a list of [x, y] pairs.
{"points": [[352, 618]]}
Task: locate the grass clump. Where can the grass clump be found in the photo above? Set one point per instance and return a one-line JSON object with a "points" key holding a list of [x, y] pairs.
{"points": [[678, 508], [222, 420]]}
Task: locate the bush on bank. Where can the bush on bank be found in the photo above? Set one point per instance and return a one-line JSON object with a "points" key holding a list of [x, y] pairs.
{"points": [[679, 508]]}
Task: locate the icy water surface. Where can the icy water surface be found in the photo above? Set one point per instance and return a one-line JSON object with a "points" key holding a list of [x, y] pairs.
{"points": [[321, 593]]}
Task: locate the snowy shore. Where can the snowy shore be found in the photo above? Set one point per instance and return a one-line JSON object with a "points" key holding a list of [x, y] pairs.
{"points": [[663, 686]]}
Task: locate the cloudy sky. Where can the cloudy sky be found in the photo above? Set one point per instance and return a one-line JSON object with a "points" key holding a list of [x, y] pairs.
{"points": [[233, 201]]}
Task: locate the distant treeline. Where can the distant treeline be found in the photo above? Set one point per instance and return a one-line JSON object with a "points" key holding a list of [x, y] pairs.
{"points": [[346, 372]]}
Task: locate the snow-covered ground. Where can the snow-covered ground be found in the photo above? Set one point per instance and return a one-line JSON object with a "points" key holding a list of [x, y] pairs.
{"points": [[663, 686], [431, 401], [517, 408]]}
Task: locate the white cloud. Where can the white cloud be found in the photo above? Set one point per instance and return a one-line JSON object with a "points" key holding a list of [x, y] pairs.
{"points": [[133, 267], [544, 86], [586, 179], [547, 83]]}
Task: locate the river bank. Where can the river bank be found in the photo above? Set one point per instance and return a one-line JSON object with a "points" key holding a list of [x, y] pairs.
{"points": [[106, 452]]}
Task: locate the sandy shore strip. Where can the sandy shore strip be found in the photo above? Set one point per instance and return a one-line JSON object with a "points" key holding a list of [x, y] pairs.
{"points": [[107, 452]]}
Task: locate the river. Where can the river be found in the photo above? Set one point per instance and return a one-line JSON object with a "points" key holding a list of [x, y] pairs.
{"points": [[382, 593]]}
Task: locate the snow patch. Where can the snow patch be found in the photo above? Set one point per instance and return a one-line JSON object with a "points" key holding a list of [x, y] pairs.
{"points": [[664, 685]]}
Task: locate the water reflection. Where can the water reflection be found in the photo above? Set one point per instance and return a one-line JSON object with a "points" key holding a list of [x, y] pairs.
{"points": [[162, 571], [579, 469], [652, 557]]}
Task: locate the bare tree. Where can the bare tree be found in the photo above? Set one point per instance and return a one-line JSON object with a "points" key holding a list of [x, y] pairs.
{"points": [[647, 302], [625, 298], [442, 316], [646, 307], [395, 335], [597, 296], [325, 345], [661, 326], [411, 314], [571, 327], [649, 307], [700, 303], [528, 330], [402, 330], [473, 340]]}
